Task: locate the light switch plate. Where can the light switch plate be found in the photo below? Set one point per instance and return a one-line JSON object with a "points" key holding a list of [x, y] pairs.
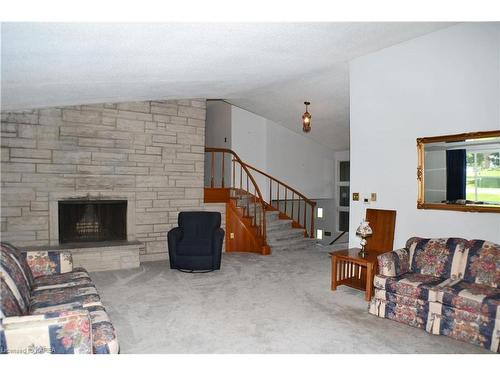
{"points": [[355, 196], [231, 236], [374, 197]]}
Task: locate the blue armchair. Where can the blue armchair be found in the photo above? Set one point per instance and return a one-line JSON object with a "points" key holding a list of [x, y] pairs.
{"points": [[196, 244]]}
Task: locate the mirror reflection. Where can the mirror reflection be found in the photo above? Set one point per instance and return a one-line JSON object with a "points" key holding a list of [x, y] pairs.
{"points": [[462, 172]]}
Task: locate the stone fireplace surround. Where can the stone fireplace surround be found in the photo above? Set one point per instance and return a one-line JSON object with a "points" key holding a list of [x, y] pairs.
{"points": [[150, 154]]}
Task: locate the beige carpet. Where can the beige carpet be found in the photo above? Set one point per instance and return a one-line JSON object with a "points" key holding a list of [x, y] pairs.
{"points": [[281, 303]]}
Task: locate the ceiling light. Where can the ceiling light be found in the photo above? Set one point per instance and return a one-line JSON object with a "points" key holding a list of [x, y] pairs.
{"points": [[306, 120]]}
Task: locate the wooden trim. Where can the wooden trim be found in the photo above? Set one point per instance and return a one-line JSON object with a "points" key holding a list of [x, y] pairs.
{"points": [[459, 137], [313, 203], [245, 236], [460, 207], [216, 195], [421, 204]]}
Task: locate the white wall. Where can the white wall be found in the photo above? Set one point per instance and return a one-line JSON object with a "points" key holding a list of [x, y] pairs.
{"points": [[249, 141], [218, 124], [300, 162], [442, 83]]}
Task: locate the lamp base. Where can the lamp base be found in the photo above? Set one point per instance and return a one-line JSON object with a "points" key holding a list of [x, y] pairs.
{"points": [[362, 253]]}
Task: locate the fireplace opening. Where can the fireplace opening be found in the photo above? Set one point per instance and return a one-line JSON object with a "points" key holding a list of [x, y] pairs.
{"points": [[92, 221]]}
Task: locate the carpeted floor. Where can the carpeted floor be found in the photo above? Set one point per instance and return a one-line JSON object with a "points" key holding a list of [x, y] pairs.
{"points": [[280, 303]]}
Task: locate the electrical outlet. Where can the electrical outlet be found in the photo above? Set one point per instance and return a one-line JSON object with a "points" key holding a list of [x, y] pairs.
{"points": [[374, 197], [231, 236], [355, 196], [328, 234]]}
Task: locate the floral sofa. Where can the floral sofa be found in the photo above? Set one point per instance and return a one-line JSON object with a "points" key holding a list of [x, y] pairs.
{"points": [[47, 306], [447, 286]]}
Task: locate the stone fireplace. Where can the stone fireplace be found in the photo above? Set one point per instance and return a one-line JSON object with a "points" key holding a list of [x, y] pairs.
{"points": [[147, 156]]}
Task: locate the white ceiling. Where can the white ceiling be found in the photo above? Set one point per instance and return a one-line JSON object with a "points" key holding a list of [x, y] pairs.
{"points": [[267, 68]]}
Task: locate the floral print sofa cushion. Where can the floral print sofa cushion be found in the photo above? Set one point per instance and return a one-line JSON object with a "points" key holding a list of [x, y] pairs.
{"points": [[48, 262], [481, 265], [440, 257], [78, 277], [471, 297], [410, 284]]}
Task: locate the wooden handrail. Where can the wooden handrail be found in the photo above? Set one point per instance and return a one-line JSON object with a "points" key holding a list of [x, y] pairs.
{"points": [[301, 219], [295, 195], [313, 203], [257, 192]]}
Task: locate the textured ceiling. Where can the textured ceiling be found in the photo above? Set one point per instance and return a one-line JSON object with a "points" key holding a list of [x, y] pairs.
{"points": [[266, 68]]}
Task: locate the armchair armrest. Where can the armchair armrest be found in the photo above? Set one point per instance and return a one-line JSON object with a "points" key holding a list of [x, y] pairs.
{"points": [[174, 235], [65, 332], [218, 239], [394, 263], [44, 263]]}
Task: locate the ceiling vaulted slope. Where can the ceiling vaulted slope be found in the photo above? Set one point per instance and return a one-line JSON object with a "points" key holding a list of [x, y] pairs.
{"points": [[266, 68]]}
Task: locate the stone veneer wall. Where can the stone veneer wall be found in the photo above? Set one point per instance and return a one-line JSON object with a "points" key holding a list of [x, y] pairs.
{"points": [[151, 152]]}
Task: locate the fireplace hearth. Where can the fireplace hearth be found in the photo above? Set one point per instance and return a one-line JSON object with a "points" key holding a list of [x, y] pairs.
{"points": [[92, 221]]}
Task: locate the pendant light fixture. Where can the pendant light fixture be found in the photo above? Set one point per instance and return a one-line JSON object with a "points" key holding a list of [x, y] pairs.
{"points": [[306, 120]]}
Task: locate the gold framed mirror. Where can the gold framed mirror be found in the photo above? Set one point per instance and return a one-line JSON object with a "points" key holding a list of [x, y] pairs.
{"points": [[459, 172]]}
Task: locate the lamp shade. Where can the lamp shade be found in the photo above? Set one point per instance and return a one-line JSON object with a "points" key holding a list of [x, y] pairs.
{"points": [[364, 229]]}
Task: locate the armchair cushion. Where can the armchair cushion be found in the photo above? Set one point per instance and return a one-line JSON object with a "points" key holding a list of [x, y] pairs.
{"points": [[44, 263], [194, 246], [482, 263], [63, 332], [199, 224], [394, 263], [440, 257]]}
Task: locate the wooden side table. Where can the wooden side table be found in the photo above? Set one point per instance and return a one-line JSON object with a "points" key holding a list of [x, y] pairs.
{"points": [[348, 268]]}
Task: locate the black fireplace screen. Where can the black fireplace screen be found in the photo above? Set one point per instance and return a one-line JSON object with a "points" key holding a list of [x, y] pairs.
{"points": [[92, 221]]}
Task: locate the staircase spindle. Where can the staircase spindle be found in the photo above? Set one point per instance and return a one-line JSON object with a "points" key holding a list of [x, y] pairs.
{"points": [[312, 221], [212, 171], [298, 215], [234, 171], [305, 215], [270, 192], [223, 169], [286, 191], [247, 199], [293, 194], [241, 177], [278, 197]]}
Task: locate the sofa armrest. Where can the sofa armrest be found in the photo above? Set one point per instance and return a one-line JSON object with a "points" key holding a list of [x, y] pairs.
{"points": [[44, 263], [394, 263], [65, 332]]}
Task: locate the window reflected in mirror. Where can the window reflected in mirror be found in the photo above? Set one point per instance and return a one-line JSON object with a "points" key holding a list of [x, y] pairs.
{"points": [[459, 170]]}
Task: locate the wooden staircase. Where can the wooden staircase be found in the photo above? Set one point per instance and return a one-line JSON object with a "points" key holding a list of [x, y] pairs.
{"points": [[253, 224]]}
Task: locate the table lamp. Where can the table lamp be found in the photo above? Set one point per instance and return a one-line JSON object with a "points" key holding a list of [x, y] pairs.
{"points": [[363, 231]]}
